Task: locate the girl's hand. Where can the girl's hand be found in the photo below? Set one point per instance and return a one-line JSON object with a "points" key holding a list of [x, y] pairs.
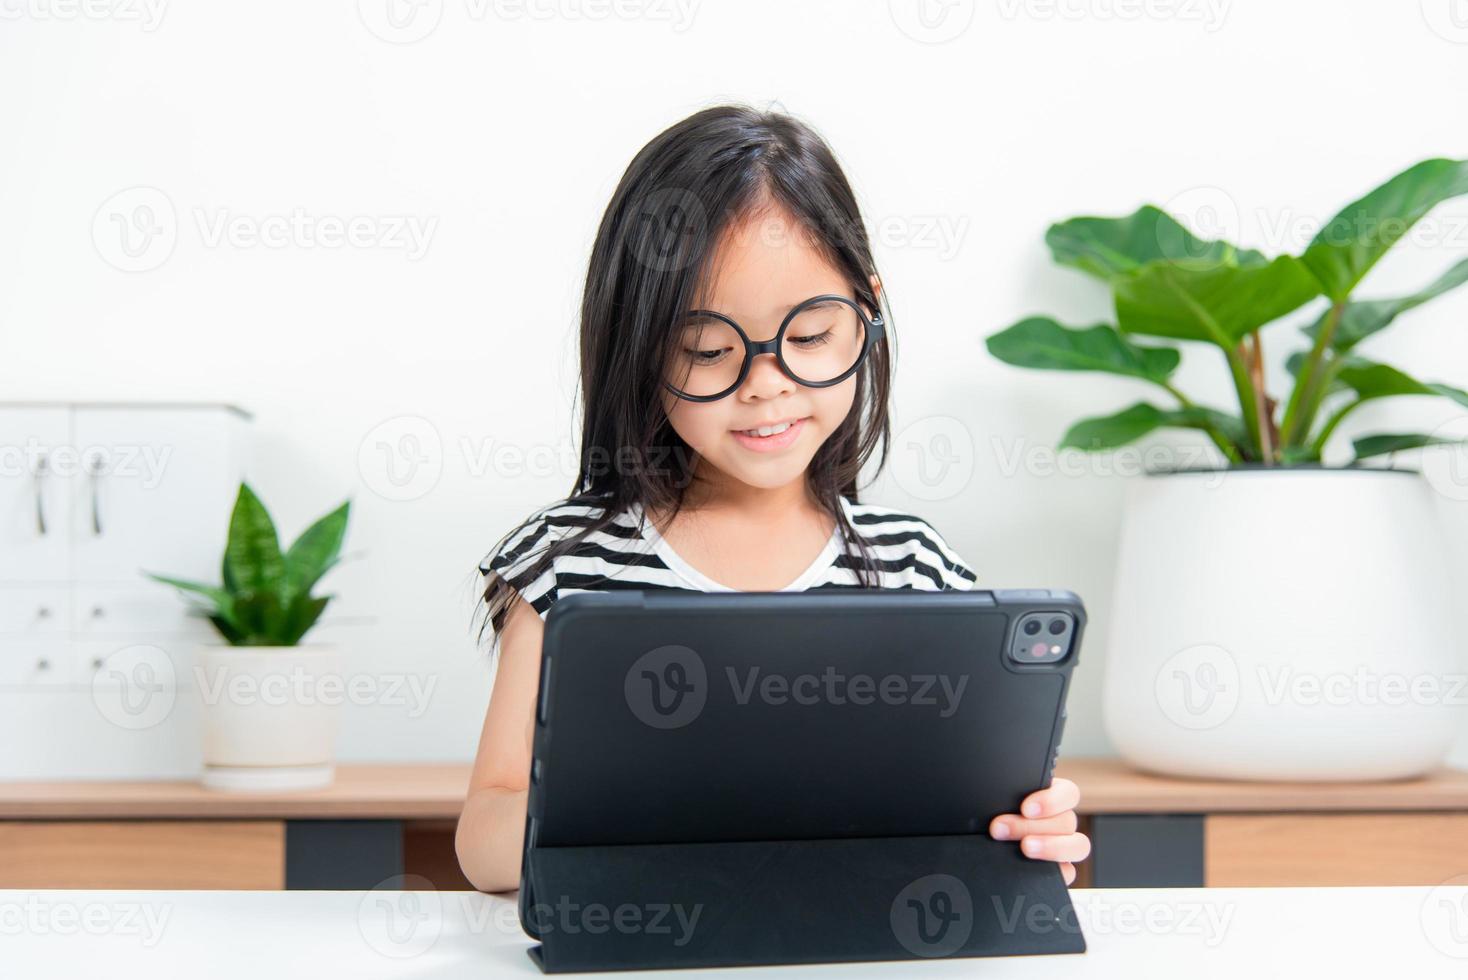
{"points": [[1047, 830]]}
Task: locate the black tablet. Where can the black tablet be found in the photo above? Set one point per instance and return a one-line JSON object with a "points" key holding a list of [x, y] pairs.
{"points": [[780, 762]]}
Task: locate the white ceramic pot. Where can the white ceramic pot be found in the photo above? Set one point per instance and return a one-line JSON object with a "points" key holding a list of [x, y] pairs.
{"points": [[269, 716], [1283, 624]]}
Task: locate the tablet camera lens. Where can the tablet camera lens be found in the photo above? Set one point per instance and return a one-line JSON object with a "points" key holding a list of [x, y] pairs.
{"points": [[1041, 638]]}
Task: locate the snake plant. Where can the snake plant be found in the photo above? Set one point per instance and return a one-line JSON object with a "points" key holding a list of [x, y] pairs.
{"points": [[265, 598]]}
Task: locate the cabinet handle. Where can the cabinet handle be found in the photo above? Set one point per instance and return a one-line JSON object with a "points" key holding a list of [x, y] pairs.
{"points": [[94, 469], [40, 476]]}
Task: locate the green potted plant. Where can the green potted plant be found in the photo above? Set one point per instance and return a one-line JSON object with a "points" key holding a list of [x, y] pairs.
{"points": [[268, 699], [1246, 591]]}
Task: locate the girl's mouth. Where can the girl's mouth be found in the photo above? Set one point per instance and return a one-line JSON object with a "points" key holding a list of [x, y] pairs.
{"points": [[779, 436]]}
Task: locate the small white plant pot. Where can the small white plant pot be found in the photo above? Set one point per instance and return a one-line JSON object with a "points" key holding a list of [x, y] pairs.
{"points": [[1286, 624], [269, 716]]}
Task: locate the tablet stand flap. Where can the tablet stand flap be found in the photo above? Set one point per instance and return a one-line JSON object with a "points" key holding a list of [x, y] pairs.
{"points": [[647, 906]]}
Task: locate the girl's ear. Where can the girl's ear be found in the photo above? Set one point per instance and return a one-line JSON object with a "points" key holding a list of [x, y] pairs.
{"points": [[876, 291]]}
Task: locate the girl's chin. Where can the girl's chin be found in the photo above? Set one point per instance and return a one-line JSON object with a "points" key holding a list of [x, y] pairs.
{"points": [[765, 472]]}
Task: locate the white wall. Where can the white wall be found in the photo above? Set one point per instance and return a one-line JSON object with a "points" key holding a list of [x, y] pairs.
{"points": [[500, 135]]}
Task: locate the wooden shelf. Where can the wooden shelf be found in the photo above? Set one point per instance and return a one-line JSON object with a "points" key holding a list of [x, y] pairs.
{"points": [[362, 792], [1110, 786], [379, 820], [436, 791]]}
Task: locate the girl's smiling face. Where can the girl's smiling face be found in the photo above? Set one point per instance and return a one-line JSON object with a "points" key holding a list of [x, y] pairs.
{"points": [[764, 266]]}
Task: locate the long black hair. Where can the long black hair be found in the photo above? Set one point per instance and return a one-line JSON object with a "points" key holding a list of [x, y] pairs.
{"points": [[651, 260]]}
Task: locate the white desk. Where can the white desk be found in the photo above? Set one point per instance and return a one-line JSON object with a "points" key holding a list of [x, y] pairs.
{"points": [[1166, 933]]}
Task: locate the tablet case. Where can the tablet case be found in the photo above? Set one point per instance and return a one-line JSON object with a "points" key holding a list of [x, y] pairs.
{"points": [[746, 778]]}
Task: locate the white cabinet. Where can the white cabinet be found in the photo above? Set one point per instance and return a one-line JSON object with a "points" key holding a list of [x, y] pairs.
{"points": [[92, 496]]}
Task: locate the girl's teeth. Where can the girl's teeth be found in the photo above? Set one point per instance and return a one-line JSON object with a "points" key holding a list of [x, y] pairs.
{"points": [[768, 430]]}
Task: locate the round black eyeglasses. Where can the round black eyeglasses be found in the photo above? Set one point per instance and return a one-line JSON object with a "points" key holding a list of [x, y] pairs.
{"points": [[820, 343]]}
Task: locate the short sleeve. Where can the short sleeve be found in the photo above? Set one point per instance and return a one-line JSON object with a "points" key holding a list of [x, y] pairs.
{"points": [[956, 573], [515, 558]]}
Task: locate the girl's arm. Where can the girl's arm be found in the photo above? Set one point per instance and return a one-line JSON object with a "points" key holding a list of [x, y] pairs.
{"points": [[491, 831]]}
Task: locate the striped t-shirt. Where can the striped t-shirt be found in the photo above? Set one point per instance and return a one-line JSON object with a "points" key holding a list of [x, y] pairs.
{"points": [[631, 554]]}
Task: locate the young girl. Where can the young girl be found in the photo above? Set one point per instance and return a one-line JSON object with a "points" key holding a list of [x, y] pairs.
{"points": [[707, 460]]}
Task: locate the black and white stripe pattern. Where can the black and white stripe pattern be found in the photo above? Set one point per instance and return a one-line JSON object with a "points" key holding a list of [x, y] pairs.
{"points": [[909, 553]]}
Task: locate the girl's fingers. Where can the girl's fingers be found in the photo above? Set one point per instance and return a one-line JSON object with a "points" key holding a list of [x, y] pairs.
{"points": [[1062, 794], [1047, 829], [1007, 826], [1070, 847]]}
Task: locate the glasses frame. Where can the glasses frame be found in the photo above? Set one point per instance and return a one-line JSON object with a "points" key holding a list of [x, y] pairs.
{"points": [[875, 328]]}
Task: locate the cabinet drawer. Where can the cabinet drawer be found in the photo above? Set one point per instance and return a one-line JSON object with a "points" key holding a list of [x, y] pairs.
{"points": [[142, 854], [131, 611], [32, 663], [28, 612], [1306, 849]]}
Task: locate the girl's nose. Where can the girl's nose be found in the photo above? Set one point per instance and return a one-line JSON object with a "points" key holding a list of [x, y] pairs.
{"points": [[765, 379]]}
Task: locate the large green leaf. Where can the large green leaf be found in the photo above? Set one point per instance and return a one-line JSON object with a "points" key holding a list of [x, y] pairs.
{"points": [[228, 629], [1371, 380], [1363, 318], [216, 596], [315, 550], [252, 559], [218, 607], [300, 616], [1218, 304], [1040, 342], [1394, 442], [261, 618], [1130, 424], [1108, 247], [1355, 239]]}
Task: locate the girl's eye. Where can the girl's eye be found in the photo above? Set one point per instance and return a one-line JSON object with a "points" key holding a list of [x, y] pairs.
{"points": [[812, 340], [702, 357], [707, 341]]}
